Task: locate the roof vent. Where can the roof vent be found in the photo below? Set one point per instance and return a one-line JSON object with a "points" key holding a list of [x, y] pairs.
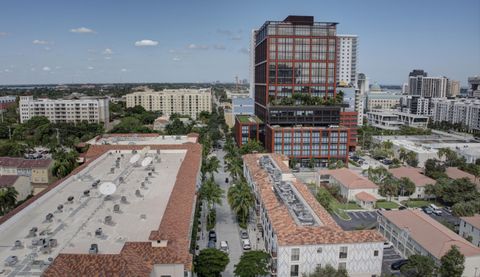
{"points": [[17, 244], [112, 170], [124, 200], [93, 249], [49, 217], [143, 216], [52, 243], [11, 261], [121, 180], [107, 198], [108, 221], [46, 249], [138, 193], [86, 193], [33, 232], [70, 199], [60, 208], [116, 208], [99, 232]]}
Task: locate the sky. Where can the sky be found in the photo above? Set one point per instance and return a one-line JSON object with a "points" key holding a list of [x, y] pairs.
{"points": [[92, 41]]}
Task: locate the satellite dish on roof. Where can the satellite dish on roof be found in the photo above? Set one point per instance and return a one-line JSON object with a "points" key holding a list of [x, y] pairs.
{"points": [[134, 158], [147, 161], [107, 188]]}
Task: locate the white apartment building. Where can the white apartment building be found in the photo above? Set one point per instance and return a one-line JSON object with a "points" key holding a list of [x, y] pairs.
{"points": [[429, 87], [382, 100], [169, 101], [90, 109], [393, 120], [465, 111], [298, 232], [347, 59], [414, 232], [470, 229]]}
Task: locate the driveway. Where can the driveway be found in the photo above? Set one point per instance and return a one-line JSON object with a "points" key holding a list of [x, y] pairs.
{"points": [[359, 220], [389, 257]]}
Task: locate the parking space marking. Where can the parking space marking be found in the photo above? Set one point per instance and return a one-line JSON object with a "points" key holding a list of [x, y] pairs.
{"points": [[362, 215], [355, 215]]}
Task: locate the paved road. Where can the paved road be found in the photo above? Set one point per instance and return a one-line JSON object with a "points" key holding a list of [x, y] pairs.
{"points": [[360, 219], [389, 257], [226, 227]]}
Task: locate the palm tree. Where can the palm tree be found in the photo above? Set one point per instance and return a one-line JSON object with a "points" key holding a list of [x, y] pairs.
{"points": [[402, 154], [211, 192], [8, 199], [235, 168], [241, 199]]}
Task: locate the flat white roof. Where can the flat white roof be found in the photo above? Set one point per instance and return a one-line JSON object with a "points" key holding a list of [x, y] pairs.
{"points": [[141, 140], [74, 227]]}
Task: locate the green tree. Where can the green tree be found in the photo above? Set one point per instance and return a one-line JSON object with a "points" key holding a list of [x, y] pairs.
{"points": [[325, 199], [210, 165], [211, 192], [8, 199], [210, 262], [252, 264], [251, 146], [388, 187], [378, 174], [327, 271], [419, 266], [452, 263], [412, 159], [405, 186], [241, 200]]}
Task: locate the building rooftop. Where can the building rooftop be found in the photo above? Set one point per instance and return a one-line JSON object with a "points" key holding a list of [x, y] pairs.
{"points": [[8, 180], [147, 91], [473, 220], [365, 196], [429, 233], [286, 226], [24, 163], [349, 178], [455, 173], [159, 202], [142, 139], [248, 119], [414, 174]]}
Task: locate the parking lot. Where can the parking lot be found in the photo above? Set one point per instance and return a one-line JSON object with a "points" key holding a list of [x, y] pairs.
{"points": [[359, 220], [447, 217], [389, 257]]}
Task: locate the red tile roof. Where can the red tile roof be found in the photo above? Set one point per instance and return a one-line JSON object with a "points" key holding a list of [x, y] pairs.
{"points": [[455, 173], [472, 220], [429, 233], [349, 179], [138, 258], [414, 174], [366, 197], [7, 180], [24, 163], [286, 229]]}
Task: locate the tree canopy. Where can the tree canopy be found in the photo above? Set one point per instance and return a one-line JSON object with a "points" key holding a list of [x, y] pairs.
{"points": [[452, 263], [419, 266], [327, 271], [252, 264], [210, 262]]}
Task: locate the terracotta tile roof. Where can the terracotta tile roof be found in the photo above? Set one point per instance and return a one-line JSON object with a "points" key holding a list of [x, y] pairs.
{"points": [[365, 196], [24, 163], [413, 174], [349, 179], [429, 233], [7, 180], [472, 220], [286, 229], [138, 258], [455, 173]]}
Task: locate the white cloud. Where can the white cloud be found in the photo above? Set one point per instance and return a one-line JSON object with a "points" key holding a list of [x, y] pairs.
{"points": [[7, 70], [123, 70], [200, 47], [3, 34], [90, 67], [40, 42], [108, 58], [32, 69], [146, 42], [82, 30], [47, 48], [46, 68], [219, 47], [176, 59], [107, 51]]}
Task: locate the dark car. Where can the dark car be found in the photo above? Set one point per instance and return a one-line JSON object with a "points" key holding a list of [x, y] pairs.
{"points": [[211, 244], [244, 234], [226, 180], [212, 236], [398, 264], [402, 208]]}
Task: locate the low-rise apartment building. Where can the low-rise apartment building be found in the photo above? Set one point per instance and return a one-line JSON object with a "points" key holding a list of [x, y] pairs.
{"points": [[298, 232], [39, 171], [414, 232], [382, 101], [416, 176], [470, 229], [457, 111], [393, 120], [20, 183], [188, 102], [353, 187], [89, 109], [7, 101]]}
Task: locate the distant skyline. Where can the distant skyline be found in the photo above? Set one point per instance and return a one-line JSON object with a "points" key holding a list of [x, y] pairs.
{"points": [[89, 41]]}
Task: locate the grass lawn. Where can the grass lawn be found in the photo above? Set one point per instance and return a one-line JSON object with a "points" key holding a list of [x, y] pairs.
{"points": [[387, 205], [348, 206], [418, 203]]}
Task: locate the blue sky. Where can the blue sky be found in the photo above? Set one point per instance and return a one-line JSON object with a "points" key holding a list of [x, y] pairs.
{"points": [[58, 41]]}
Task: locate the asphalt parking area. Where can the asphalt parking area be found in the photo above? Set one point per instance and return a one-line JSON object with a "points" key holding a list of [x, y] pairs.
{"points": [[359, 220], [389, 257]]}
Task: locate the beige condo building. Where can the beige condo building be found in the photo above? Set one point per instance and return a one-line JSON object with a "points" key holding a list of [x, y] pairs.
{"points": [[169, 101]]}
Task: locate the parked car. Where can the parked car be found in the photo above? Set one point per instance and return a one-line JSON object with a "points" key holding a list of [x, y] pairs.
{"points": [[212, 236], [246, 244], [224, 246], [398, 264], [402, 208], [437, 212], [226, 180], [243, 234], [211, 244], [427, 210], [448, 209], [387, 245]]}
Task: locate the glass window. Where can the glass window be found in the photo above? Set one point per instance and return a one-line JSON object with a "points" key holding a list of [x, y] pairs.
{"points": [[294, 270], [342, 265], [295, 254], [343, 252]]}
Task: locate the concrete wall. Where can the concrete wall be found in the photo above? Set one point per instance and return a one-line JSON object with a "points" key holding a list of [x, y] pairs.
{"points": [[467, 230], [23, 187]]}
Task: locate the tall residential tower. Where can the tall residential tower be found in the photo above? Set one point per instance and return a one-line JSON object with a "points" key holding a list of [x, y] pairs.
{"points": [[347, 60]]}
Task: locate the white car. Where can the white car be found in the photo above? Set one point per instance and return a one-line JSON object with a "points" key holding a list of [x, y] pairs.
{"points": [[246, 244], [387, 245], [224, 246]]}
